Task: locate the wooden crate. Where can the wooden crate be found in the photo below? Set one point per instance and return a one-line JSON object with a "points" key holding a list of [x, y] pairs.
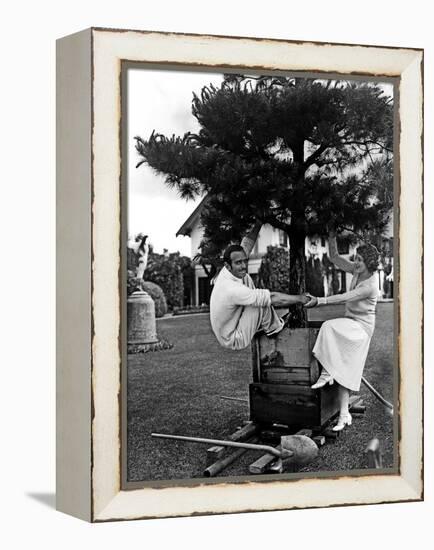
{"points": [[283, 371], [294, 406]]}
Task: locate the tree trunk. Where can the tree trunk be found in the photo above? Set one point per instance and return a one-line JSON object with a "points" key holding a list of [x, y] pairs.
{"points": [[297, 276], [297, 238]]}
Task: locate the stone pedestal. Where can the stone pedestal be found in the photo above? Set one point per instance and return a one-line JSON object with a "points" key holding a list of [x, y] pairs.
{"points": [[141, 319]]}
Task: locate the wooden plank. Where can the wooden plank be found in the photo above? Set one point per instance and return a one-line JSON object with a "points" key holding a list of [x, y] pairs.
{"points": [[319, 440], [290, 405], [292, 345], [330, 434], [329, 403], [283, 379], [244, 432], [313, 335], [316, 323], [314, 365], [355, 399], [289, 369], [358, 409], [356, 405], [289, 391], [256, 365], [263, 463], [216, 452], [291, 349], [286, 375], [218, 466], [314, 371]]}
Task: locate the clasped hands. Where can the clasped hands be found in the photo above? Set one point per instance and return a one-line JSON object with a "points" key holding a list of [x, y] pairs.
{"points": [[308, 300]]}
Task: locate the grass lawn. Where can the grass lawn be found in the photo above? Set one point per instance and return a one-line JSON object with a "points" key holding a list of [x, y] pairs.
{"points": [[178, 391]]}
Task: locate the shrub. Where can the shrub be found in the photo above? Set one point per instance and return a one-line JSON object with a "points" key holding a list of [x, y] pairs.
{"points": [[154, 291], [157, 294], [169, 271], [132, 262]]}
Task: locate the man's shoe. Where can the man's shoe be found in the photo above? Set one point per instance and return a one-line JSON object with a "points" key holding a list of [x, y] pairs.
{"points": [[324, 379], [275, 332]]}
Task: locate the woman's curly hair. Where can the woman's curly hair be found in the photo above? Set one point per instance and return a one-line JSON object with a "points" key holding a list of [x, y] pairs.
{"points": [[370, 256]]}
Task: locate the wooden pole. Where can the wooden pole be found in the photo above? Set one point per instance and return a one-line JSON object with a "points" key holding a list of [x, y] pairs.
{"points": [[216, 452], [234, 398], [223, 463], [378, 395]]}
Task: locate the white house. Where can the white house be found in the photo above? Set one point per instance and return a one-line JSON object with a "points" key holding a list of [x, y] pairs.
{"points": [[268, 236]]}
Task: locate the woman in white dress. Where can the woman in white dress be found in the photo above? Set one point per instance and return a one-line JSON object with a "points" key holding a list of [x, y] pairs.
{"points": [[342, 344]]}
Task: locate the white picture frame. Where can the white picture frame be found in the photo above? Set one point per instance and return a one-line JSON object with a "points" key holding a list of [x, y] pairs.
{"points": [[89, 389]]}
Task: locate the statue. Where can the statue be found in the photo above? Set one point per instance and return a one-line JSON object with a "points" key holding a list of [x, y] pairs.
{"points": [[140, 248], [141, 325]]}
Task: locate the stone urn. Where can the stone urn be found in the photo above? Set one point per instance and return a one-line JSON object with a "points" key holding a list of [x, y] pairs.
{"points": [[141, 318]]}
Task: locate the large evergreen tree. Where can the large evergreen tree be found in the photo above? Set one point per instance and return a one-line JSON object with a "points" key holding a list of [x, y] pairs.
{"points": [[297, 153]]}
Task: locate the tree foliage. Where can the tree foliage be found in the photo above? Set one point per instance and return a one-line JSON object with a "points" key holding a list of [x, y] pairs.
{"points": [[274, 272], [297, 153], [274, 269]]}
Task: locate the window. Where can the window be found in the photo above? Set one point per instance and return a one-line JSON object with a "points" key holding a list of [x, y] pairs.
{"points": [[283, 238], [204, 290]]}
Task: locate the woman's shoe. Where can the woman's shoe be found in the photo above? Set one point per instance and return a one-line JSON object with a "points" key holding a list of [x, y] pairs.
{"points": [[343, 420], [324, 379]]}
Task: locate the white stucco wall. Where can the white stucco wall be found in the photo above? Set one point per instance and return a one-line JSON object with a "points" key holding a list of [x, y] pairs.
{"points": [[268, 235]]}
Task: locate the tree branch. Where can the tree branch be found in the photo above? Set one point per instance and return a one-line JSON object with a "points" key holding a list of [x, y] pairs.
{"points": [[275, 223], [365, 144], [361, 237], [314, 156]]}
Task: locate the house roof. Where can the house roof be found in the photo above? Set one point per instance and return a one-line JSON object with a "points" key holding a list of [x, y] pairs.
{"points": [[191, 221]]}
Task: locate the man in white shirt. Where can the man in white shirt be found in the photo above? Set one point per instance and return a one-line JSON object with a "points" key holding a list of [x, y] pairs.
{"points": [[237, 309]]}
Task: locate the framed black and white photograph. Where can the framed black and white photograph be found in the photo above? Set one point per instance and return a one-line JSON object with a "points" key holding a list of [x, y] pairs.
{"points": [[245, 302]]}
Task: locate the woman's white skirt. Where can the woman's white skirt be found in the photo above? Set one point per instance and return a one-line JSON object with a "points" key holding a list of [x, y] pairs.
{"points": [[341, 348]]}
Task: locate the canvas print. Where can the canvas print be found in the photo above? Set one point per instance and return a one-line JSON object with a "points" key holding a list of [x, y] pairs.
{"points": [[259, 275]]}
